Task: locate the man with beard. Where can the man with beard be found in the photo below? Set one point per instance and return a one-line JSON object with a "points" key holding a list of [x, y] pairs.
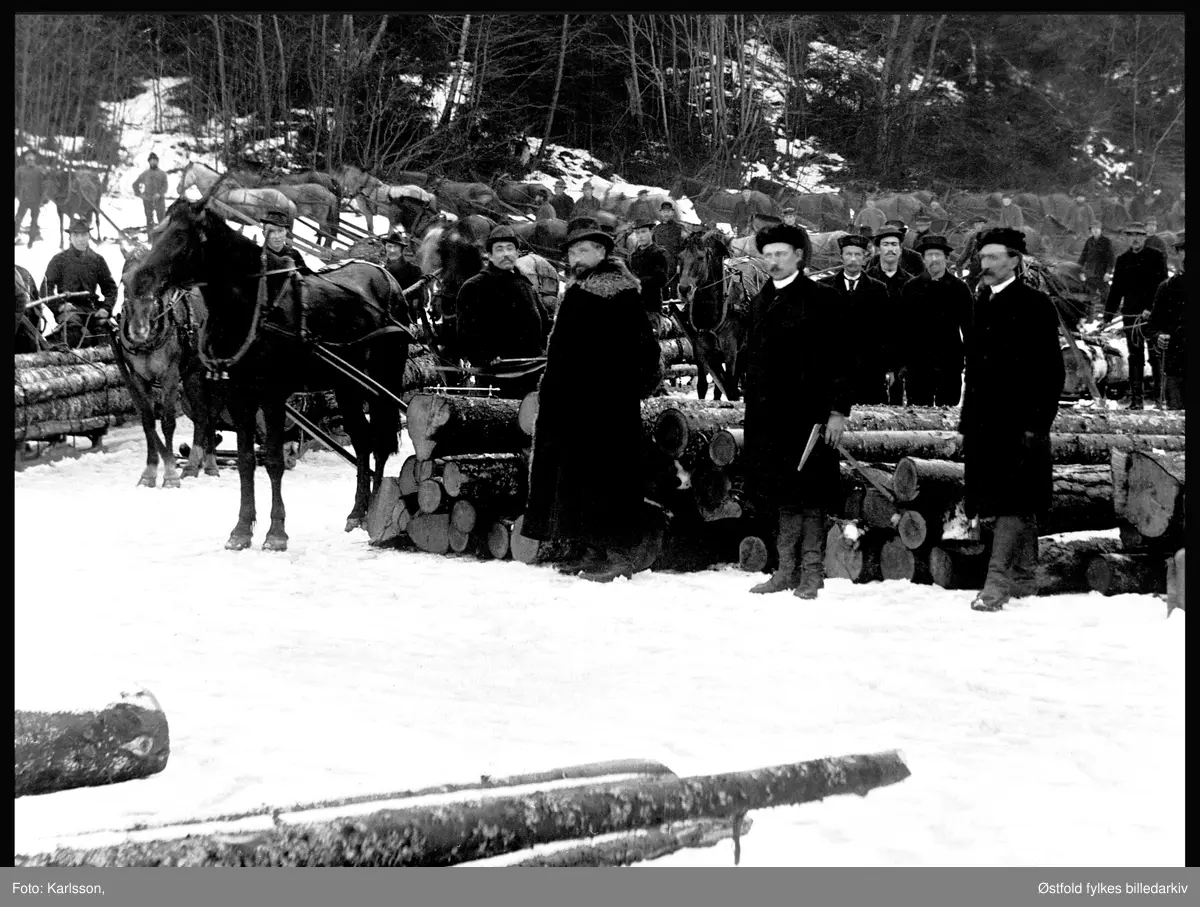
{"points": [[1166, 330], [1137, 275], [936, 314], [668, 236], [798, 375], [649, 265], [865, 301], [1097, 258], [500, 316], [579, 493], [887, 271], [1012, 355]]}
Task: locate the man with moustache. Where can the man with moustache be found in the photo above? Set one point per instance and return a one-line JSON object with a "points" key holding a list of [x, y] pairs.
{"points": [[936, 314], [563, 204], [76, 269], [1136, 276], [1166, 331], [798, 374], [1012, 355], [865, 301], [910, 260], [668, 236], [579, 493], [887, 270], [500, 316]]}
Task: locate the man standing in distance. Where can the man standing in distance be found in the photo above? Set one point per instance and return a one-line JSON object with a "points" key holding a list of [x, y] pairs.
{"points": [[151, 188], [1012, 355], [1138, 272]]}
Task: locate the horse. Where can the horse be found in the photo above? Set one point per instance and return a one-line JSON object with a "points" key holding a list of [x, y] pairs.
{"points": [[259, 338], [452, 254], [410, 205], [317, 202], [27, 337], [523, 196], [75, 194], [155, 346], [253, 203]]}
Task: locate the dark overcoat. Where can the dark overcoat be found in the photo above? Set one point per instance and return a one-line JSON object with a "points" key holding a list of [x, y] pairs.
{"points": [[799, 369], [870, 318], [912, 261], [585, 477], [1136, 277], [1169, 316], [1014, 378], [73, 271], [649, 266], [1097, 256], [500, 316], [563, 205], [936, 315]]}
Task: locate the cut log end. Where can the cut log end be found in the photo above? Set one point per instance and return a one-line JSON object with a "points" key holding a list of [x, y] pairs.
{"points": [[524, 549], [527, 413], [499, 539], [753, 554], [671, 432]]}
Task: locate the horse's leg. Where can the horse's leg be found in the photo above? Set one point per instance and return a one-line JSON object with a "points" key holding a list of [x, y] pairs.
{"points": [[385, 415], [364, 208], [729, 354], [243, 411], [355, 424], [273, 416], [170, 402], [143, 398]]}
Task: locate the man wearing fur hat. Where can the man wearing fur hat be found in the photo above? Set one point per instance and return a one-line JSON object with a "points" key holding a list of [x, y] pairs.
{"points": [[80, 269], [799, 374], [864, 301], [1013, 381], [1166, 332], [936, 314], [500, 316], [579, 493], [649, 265], [151, 188], [1136, 276]]}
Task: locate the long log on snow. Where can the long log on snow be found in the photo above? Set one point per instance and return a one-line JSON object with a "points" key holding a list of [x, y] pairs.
{"points": [[61, 750], [448, 834], [648, 845], [1116, 573], [892, 446], [958, 564], [457, 425], [1063, 564]]}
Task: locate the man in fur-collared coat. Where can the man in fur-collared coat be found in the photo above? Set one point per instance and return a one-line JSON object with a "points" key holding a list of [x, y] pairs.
{"points": [[584, 487], [1013, 381], [799, 374]]}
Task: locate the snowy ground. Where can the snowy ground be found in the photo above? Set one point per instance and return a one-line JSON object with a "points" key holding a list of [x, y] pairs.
{"points": [[1051, 733]]}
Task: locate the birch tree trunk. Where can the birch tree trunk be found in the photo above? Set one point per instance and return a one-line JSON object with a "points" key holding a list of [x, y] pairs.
{"points": [[635, 87], [284, 101], [264, 84], [464, 34]]}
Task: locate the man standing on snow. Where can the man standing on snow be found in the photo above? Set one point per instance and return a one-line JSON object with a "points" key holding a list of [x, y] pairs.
{"points": [[799, 373], [649, 265], [1012, 354], [29, 185], [151, 188], [865, 302], [1010, 214], [587, 203]]}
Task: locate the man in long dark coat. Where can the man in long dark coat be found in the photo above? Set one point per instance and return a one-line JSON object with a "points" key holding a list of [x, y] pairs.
{"points": [[649, 265], [1014, 378], [1138, 272], [668, 236], [1166, 331], [799, 375], [500, 315], [578, 491], [888, 271], [29, 184], [1097, 258], [865, 301], [563, 204], [910, 259], [936, 312]]}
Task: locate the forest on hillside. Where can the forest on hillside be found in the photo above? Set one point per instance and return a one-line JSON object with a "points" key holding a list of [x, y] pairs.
{"points": [[971, 101]]}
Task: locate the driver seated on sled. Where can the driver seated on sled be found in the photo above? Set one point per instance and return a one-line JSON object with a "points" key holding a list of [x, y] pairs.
{"points": [[277, 236], [80, 269]]}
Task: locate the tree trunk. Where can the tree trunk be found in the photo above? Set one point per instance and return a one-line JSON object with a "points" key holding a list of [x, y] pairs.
{"points": [[523, 549], [458, 425], [853, 553], [562, 59], [726, 446], [460, 541], [464, 516], [444, 835], [914, 531], [408, 477], [430, 497], [430, 532], [1154, 505], [497, 483], [499, 539], [456, 80], [1117, 574], [285, 103], [55, 751], [224, 83], [36, 385], [75, 357], [651, 845], [938, 478], [264, 83], [527, 413], [885, 446], [112, 401], [1063, 565], [958, 565]]}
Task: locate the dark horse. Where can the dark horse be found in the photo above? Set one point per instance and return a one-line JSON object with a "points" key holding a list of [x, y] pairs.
{"points": [[717, 309], [452, 254], [269, 336]]}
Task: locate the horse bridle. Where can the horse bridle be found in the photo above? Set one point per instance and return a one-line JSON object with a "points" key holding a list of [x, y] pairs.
{"points": [[158, 324]]}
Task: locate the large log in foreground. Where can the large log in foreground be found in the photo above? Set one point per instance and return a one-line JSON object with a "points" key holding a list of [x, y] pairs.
{"points": [[892, 446], [102, 353], [462, 425], [449, 834], [55, 751], [1154, 494]]}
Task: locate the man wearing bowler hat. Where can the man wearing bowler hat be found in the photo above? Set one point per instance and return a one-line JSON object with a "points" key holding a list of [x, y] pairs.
{"points": [[500, 316], [562, 203], [281, 254], [1136, 277], [151, 188], [649, 265], [1166, 331], [398, 263], [935, 311], [910, 260], [799, 380], [579, 493], [864, 301], [80, 269], [1013, 381]]}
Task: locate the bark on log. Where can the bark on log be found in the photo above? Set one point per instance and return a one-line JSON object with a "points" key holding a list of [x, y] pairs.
{"points": [[683, 436], [726, 445], [653, 844], [457, 425], [675, 349], [420, 370], [682, 370], [753, 554], [54, 427], [408, 476], [112, 401], [942, 445], [423, 470], [497, 483], [1119, 465], [1175, 582], [103, 353], [1062, 565], [430, 532], [1154, 506], [383, 520], [958, 565], [35, 385], [463, 516], [430, 496], [898, 562], [499, 539], [914, 475], [527, 413], [1116, 574], [56, 751], [446, 835]]}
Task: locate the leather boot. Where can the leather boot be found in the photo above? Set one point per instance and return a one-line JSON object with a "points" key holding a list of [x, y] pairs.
{"points": [[998, 586], [785, 542], [619, 563], [812, 554], [588, 559], [1025, 565]]}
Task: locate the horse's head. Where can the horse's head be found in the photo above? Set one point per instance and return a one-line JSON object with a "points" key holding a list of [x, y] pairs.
{"points": [[700, 262], [181, 246], [187, 177], [140, 315]]}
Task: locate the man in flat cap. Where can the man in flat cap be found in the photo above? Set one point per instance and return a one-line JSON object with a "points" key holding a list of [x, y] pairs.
{"points": [[579, 493], [799, 376], [864, 300], [151, 188], [1136, 276], [500, 315], [936, 314], [563, 204], [1013, 380], [80, 269], [888, 271], [1097, 259], [1166, 330]]}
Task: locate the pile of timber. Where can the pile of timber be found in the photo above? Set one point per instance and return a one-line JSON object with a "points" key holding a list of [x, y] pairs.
{"points": [[73, 392], [902, 515]]}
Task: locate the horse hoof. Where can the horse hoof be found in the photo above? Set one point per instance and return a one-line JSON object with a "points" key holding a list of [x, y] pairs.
{"points": [[275, 543], [172, 482], [354, 523], [238, 543], [211, 471], [147, 481], [189, 472]]}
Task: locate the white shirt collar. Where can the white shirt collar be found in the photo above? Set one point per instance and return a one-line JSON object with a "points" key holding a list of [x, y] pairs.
{"points": [[780, 284], [1000, 286], [889, 273]]}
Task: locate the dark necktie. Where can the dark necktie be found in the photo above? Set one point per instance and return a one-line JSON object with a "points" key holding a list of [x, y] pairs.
{"points": [[985, 295], [853, 282]]}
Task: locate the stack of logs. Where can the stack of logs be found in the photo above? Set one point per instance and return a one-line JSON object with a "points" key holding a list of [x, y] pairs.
{"points": [[464, 491], [76, 392], [677, 356]]}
